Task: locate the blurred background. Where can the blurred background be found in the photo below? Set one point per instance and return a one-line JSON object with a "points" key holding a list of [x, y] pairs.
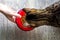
{"points": [[10, 31]]}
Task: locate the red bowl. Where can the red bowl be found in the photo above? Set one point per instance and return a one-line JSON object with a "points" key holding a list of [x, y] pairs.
{"points": [[20, 24]]}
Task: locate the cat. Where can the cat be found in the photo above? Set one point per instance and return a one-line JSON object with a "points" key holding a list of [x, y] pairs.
{"points": [[48, 16]]}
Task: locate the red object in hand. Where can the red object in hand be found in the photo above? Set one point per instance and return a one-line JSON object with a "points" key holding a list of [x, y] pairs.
{"points": [[20, 24]]}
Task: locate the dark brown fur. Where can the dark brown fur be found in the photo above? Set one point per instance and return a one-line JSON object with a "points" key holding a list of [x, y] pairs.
{"points": [[47, 16]]}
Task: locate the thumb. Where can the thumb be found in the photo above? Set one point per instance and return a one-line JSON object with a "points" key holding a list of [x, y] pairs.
{"points": [[17, 15]]}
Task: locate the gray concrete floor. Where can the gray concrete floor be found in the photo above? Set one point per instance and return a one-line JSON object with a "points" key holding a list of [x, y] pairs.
{"points": [[10, 31]]}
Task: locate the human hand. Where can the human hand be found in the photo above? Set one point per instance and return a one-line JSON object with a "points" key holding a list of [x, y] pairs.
{"points": [[9, 12]]}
